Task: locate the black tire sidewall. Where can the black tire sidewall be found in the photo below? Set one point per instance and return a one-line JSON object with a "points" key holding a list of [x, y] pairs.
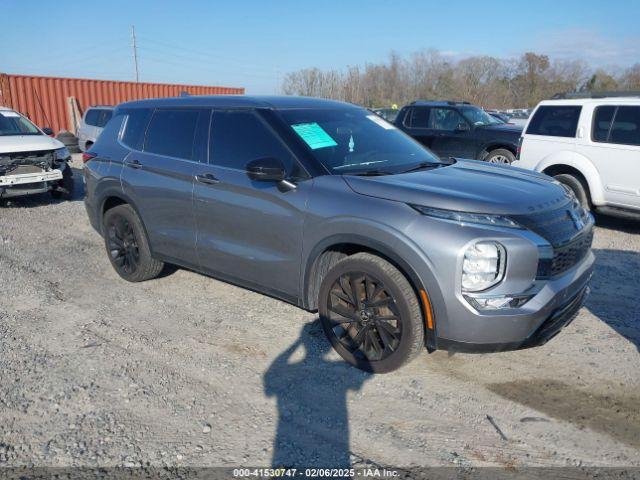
{"points": [[129, 214], [576, 186], [404, 351]]}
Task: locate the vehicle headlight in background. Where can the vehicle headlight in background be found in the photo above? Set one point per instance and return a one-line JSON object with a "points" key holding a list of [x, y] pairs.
{"points": [[62, 154], [467, 217], [483, 266]]}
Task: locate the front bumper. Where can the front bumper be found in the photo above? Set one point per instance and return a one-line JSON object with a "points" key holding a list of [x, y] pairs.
{"points": [[29, 183], [553, 308]]}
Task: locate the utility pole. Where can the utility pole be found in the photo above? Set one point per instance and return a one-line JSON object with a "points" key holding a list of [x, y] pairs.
{"points": [[135, 51]]}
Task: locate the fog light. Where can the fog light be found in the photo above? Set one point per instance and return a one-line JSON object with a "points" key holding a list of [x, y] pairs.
{"points": [[483, 266], [497, 303]]}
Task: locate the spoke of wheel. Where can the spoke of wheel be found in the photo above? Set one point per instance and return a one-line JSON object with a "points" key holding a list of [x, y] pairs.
{"points": [[387, 339], [374, 342], [360, 335], [346, 289], [387, 317], [381, 303], [354, 291], [345, 313], [367, 289], [392, 332], [342, 296]]}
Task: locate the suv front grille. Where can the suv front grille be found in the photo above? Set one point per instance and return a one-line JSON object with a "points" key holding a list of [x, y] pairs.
{"points": [[566, 256]]}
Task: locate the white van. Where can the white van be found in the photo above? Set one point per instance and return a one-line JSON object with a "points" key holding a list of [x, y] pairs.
{"points": [[92, 124], [30, 160], [592, 145]]}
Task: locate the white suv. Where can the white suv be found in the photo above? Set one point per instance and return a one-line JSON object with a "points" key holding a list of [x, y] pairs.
{"points": [[592, 145]]}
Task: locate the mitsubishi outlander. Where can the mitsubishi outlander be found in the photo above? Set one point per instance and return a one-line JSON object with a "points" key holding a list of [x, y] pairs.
{"points": [[327, 206]]}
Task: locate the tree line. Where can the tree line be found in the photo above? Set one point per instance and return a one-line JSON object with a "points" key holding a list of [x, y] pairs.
{"points": [[483, 80]]}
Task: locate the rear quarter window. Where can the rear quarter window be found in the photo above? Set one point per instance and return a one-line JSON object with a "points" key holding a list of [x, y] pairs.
{"points": [[137, 120], [555, 121], [626, 126]]}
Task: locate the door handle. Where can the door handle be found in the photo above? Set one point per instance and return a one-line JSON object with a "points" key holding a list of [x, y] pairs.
{"points": [[207, 178], [133, 163]]}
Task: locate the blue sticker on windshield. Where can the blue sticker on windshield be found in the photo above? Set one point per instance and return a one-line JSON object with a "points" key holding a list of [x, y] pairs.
{"points": [[314, 135]]}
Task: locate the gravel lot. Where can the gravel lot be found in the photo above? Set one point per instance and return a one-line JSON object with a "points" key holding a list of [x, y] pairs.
{"points": [[187, 370]]}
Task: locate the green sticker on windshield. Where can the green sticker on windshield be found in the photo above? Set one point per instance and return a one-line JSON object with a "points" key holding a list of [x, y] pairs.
{"points": [[314, 135]]}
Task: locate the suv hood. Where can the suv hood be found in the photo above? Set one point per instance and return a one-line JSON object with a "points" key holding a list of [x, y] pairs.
{"points": [[28, 143], [467, 186], [503, 127]]}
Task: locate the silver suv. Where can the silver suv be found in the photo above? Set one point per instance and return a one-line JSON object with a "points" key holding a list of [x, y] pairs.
{"points": [[329, 207], [93, 121]]}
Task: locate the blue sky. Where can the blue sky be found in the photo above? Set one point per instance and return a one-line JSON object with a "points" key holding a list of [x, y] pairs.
{"points": [[254, 43]]}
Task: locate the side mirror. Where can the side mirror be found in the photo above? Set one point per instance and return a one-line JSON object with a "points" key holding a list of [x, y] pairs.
{"points": [[463, 127], [267, 169], [47, 131]]}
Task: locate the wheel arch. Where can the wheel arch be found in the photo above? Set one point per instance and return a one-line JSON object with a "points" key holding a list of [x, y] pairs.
{"points": [[487, 149], [336, 247], [575, 164], [113, 198]]}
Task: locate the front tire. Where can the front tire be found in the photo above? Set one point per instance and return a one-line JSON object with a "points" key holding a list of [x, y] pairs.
{"points": [[578, 188], [127, 245], [500, 156], [370, 313]]}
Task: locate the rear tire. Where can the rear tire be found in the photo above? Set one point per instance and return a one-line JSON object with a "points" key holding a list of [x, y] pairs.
{"points": [[379, 327], [127, 245], [500, 156], [579, 189]]}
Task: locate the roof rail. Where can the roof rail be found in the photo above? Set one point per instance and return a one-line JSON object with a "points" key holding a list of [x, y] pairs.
{"points": [[605, 94], [450, 102]]}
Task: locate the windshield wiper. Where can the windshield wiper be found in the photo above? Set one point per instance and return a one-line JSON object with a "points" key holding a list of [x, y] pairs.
{"points": [[371, 173], [423, 165]]}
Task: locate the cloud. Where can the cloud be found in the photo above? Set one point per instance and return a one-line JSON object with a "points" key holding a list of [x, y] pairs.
{"points": [[590, 46]]}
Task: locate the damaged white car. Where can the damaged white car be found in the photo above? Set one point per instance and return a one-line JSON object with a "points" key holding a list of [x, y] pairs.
{"points": [[31, 161]]}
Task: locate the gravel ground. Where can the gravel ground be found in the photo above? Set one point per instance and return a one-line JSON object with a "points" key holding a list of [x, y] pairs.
{"points": [[185, 370]]}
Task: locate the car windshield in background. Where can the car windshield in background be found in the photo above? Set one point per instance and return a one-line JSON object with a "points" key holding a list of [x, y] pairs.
{"points": [[479, 117], [352, 141], [11, 123]]}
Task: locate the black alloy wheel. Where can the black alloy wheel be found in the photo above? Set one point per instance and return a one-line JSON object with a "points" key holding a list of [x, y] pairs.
{"points": [[123, 246], [370, 313]]}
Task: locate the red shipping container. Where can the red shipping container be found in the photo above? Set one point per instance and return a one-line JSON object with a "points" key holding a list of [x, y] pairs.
{"points": [[44, 99]]}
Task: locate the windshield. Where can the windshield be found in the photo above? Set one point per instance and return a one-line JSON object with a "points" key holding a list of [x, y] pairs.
{"points": [[351, 140], [12, 123], [479, 117]]}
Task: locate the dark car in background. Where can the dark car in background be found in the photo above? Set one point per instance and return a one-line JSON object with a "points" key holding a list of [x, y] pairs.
{"points": [[459, 129]]}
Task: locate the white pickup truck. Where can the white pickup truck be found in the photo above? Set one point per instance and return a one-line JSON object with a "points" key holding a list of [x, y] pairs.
{"points": [[31, 161]]}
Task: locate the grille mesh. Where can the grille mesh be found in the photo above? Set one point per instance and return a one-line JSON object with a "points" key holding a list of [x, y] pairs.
{"points": [[568, 255]]}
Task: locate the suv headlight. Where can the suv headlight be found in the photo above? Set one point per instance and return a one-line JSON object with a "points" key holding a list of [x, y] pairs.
{"points": [[467, 217], [483, 266], [62, 154]]}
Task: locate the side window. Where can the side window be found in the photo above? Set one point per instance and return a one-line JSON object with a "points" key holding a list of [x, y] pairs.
{"points": [[172, 133], [105, 116], [91, 117], [238, 137], [418, 117], [626, 126], [445, 119], [561, 121], [602, 118], [137, 120]]}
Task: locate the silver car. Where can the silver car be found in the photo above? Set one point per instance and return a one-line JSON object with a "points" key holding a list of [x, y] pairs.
{"points": [[327, 206], [92, 124]]}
